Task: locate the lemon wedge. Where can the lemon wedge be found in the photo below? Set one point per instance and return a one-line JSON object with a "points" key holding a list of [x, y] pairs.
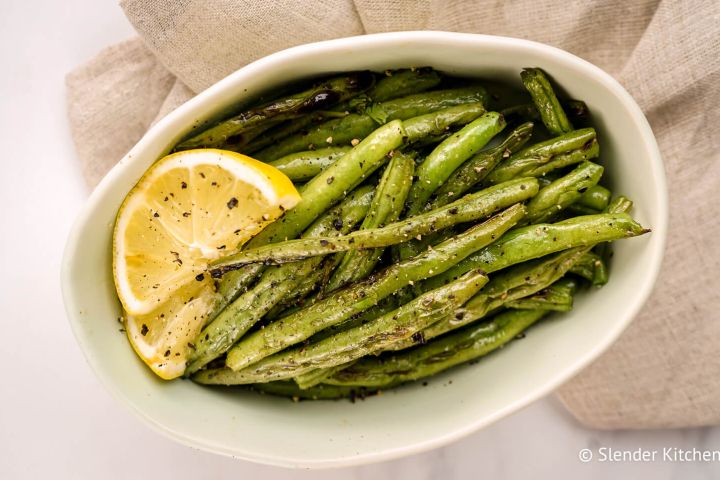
{"points": [[188, 209]]}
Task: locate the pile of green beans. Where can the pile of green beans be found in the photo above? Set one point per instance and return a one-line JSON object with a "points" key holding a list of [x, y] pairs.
{"points": [[431, 232]]}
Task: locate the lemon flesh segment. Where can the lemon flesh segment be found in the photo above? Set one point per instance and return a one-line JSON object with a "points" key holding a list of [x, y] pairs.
{"points": [[163, 338], [188, 209]]}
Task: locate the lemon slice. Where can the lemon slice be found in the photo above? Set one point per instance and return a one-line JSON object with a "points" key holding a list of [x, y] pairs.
{"points": [[163, 338], [188, 209]]}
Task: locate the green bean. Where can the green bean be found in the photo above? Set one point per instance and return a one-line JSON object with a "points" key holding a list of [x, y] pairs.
{"points": [[387, 204], [239, 141], [533, 241], [354, 343], [303, 166], [620, 204], [430, 140], [439, 122], [386, 305], [317, 376], [577, 209], [478, 167], [449, 155], [232, 285], [286, 129], [518, 282], [338, 131], [600, 273], [596, 197], [557, 297], [546, 156], [422, 103], [320, 392], [275, 283], [592, 268], [333, 183], [358, 125], [299, 296], [327, 93], [585, 266], [563, 192], [436, 356], [551, 112], [400, 83], [528, 112], [345, 303], [469, 208]]}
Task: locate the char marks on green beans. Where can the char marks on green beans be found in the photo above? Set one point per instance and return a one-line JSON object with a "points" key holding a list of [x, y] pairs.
{"points": [[469, 208], [544, 157], [470, 343], [534, 241], [545, 100], [355, 126], [360, 296], [518, 282], [323, 95], [302, 166], [355, 343]]}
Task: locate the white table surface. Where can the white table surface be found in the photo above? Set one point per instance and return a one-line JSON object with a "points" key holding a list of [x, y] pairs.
{"points": [[57, 421]]}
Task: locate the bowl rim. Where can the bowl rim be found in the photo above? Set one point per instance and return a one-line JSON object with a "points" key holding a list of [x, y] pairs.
{"points": [[166, 124]]}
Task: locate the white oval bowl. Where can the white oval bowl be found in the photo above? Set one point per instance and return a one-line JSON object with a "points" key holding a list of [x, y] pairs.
{"points": [[411, 419]]}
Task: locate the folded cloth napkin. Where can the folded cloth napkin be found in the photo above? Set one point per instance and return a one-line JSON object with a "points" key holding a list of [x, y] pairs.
{"points": [[665, 369]]}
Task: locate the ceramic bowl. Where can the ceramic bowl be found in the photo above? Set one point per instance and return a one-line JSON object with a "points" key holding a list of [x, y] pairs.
{"points": [[413, 418]]}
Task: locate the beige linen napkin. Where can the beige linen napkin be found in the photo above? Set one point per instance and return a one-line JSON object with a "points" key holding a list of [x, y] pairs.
{"points": [[665, 369]]}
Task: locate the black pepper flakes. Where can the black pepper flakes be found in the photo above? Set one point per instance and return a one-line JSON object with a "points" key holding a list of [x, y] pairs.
{"points": [[232, 203], [200, 277], [330, 180], [144, 330], [183, 185]]}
